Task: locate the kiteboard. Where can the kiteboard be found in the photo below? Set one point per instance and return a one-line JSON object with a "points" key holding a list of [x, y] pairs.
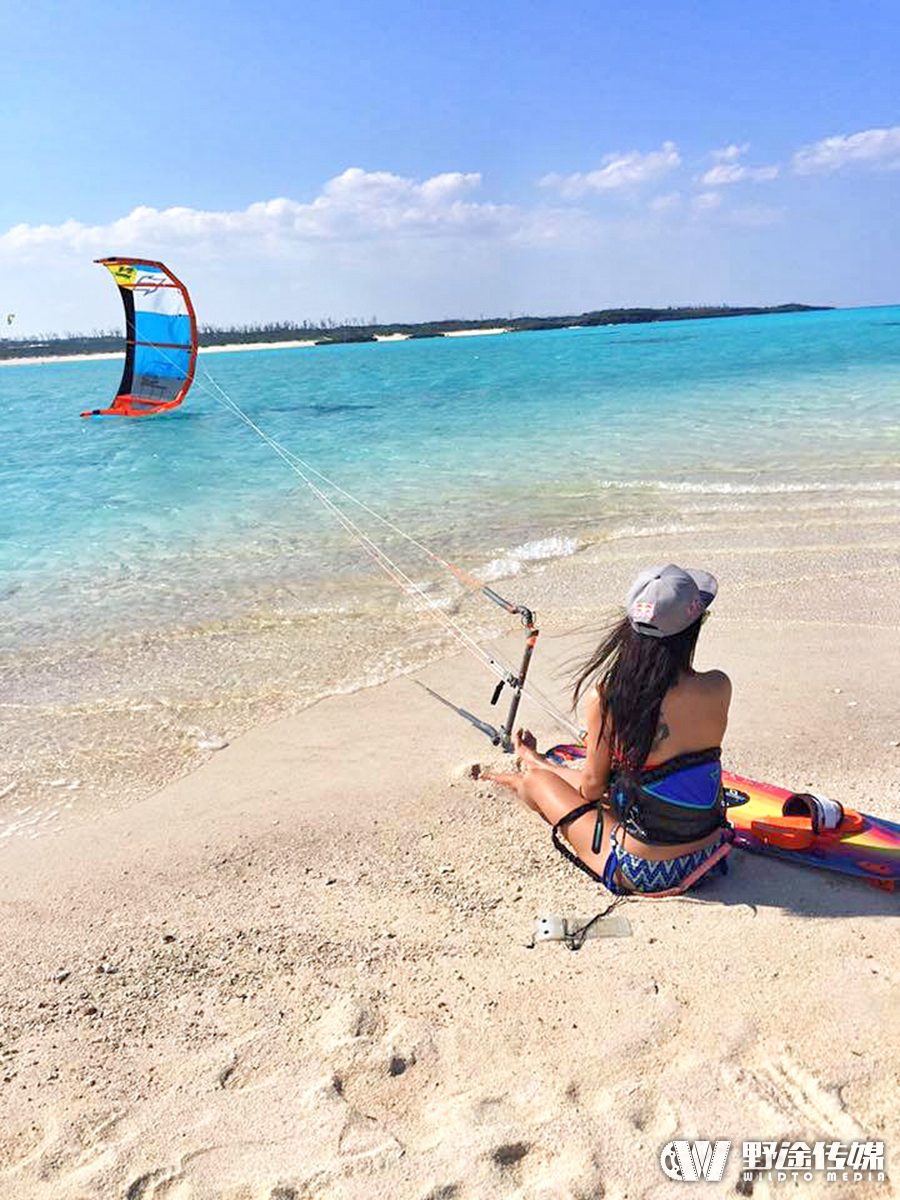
{"points": [[790, 825], [801, 827]]}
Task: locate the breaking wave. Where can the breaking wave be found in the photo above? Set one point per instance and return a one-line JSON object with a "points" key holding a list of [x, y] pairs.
{"points": [[514, 560], [746, 489]]}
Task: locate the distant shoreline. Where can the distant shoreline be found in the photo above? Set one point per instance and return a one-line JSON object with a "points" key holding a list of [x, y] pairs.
{"points": [[36, 360], [285, 337]]}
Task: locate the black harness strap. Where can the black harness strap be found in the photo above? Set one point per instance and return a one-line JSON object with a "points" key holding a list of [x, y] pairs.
{"points": [[580, 811]]}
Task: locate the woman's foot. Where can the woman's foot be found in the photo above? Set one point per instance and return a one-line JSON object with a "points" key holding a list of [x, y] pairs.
{"points": [[526, 748], [507, 779], [517, 782]]}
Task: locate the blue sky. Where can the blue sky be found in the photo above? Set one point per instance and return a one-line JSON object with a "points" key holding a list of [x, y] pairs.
{"points": [[412, 161]]}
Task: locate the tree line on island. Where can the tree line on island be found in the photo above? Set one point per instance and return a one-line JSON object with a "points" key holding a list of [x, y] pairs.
{"points": [[328, 332]]}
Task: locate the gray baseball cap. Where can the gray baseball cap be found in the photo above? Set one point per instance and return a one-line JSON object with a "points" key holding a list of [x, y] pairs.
{"points": [[664, 601]]}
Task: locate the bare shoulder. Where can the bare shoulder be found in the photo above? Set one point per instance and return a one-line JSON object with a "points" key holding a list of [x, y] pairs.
{"points": [[715, 682], [593, 702], [595, 713]]}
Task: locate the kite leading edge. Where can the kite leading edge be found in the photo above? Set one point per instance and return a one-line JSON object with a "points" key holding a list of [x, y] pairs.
{"points": [[160, 339]]}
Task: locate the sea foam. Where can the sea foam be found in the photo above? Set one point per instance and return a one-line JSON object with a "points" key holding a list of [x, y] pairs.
{"points": [[514, 560], [746, 489]]}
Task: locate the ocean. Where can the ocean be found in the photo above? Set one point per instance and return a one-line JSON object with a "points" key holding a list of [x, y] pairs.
{"points": [[175, 565]]}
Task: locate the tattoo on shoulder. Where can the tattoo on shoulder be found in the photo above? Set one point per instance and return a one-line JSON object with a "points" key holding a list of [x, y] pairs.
{"points": [[662, 732]]}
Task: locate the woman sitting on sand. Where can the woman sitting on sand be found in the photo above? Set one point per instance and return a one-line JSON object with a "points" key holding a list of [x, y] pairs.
{"points": [[647, 809]]}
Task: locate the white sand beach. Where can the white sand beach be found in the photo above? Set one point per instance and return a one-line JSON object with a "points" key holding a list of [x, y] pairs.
{"points": [[230, 349], [476, 332], [41, 359], [302, 970]]}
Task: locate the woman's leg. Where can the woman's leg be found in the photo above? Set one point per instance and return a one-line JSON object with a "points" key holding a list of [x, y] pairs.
{"points": [[552, 798]]}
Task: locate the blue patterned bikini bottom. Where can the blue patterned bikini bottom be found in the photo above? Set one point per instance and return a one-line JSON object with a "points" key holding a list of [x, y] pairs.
{"points": [[644, 875]]}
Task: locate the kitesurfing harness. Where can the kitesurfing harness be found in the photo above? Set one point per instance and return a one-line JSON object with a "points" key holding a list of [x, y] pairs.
{"points": [[679, 801], [676, 803]]}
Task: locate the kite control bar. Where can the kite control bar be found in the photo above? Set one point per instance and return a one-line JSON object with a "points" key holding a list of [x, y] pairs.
{"points": [[502, 737], [516, 683]]}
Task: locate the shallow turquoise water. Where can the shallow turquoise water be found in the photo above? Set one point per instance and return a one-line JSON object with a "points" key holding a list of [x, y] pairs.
{"points": [[476, 445]]}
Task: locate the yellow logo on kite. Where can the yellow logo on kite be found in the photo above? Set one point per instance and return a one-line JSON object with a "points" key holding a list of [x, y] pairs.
{"points": [[122, 273]]}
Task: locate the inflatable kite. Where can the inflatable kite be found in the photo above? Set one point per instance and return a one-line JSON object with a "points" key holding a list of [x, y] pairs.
{"points": [[160, 339]]}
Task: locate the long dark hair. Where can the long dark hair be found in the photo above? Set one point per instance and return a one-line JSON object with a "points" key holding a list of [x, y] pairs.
{"points": [[634, 672]]}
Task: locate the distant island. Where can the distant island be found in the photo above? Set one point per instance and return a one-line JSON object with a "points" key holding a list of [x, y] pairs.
{"points": [[330, 333]]}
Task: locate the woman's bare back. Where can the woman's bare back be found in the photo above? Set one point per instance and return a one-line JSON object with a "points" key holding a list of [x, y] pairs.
{"points": [[693, 716]]}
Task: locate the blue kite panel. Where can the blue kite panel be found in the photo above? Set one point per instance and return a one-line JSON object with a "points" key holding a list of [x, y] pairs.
{"points": [[172, 364], [158, 327]]}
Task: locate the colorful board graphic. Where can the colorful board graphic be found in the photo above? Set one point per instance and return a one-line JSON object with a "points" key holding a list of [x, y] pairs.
{"points": [[862, 845]]}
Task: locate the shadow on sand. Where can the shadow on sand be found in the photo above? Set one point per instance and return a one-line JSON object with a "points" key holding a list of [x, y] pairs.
{"points": [[762, 882]]}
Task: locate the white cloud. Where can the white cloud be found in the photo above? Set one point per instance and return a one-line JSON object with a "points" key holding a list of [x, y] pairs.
{"points": [[730, 153], [706, 202], [729, 170], [733, 172], [875, 147], [616, 171], [369, 241], [355, 204], [665, 202], [710, 205]]}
